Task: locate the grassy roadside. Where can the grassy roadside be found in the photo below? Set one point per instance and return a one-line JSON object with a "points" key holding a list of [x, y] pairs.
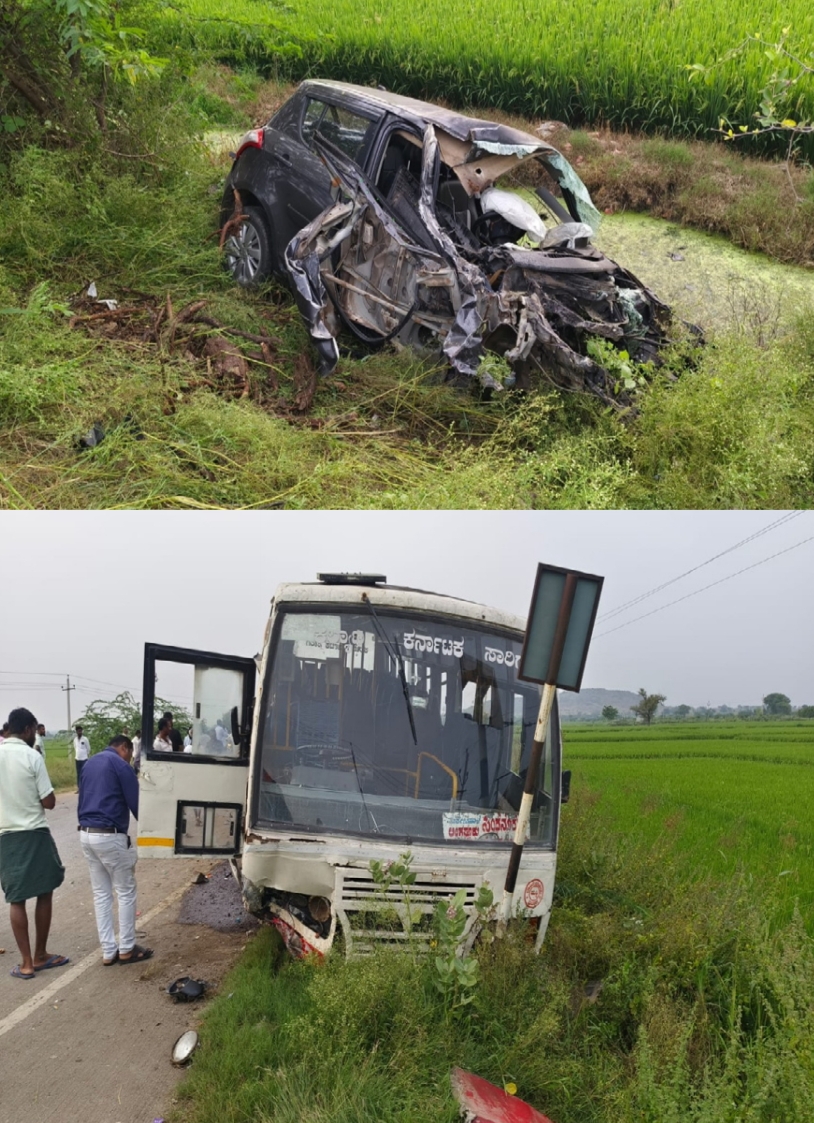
{"points": [[703, 1013], [384, 431]]}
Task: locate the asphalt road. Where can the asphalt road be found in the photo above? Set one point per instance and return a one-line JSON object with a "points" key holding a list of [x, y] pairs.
{"points": [[86, 1043]]}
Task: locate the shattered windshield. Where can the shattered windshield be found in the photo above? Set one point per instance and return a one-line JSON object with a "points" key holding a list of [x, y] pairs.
{"points": [[409, 727]]}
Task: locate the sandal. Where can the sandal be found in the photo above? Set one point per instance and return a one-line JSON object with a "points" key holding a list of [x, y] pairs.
{"points": [[53, 961], [110, 962], [137, 955]]}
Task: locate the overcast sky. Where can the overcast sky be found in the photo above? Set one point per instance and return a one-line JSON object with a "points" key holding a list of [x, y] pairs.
{"points": [[80, 592]]}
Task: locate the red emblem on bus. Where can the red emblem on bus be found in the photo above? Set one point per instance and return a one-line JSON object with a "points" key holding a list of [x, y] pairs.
{"points": [[533, 893]]}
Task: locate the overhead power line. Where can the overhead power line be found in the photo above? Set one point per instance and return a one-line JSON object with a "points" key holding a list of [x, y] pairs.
{"points": [[704, 588], [652, 592], [78, 678]]}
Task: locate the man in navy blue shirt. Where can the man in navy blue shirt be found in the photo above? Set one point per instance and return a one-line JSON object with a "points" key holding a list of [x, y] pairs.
{"points": [[108, 795]]}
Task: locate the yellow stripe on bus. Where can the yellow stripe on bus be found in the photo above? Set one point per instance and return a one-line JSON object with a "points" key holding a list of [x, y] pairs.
{"points": [[156, 842]]}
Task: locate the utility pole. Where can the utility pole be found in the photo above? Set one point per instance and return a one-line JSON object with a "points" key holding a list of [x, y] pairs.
{"points": [[68, 690]]}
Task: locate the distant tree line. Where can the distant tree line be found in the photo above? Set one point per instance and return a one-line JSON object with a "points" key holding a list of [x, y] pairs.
{"points": [[646, 710]]}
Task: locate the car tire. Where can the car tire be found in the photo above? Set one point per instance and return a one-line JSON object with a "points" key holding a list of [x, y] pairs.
{"points": [[247, 250]]}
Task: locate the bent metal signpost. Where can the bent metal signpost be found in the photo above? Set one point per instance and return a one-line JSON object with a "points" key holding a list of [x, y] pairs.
{"points": [[558, 633]]}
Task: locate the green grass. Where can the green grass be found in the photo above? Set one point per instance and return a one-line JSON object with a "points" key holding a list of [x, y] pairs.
{"points": [[593, 61], [724, 796], [61, 767], [385, 433]]}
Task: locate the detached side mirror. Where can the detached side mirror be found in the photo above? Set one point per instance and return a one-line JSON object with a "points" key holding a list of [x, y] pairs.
{"points": [[565, 787]]}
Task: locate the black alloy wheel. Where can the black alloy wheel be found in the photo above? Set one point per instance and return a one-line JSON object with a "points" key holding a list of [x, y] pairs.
{"points": [[247, 250]]}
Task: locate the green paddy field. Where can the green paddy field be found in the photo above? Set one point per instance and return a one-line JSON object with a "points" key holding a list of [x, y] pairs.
{"points": [[718, 798], [627, 65]]}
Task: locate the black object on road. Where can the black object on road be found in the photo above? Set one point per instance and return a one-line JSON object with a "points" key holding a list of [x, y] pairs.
{"points": [[186, 989]]}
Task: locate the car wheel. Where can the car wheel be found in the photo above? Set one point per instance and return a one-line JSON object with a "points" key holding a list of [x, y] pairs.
{"points": [[247, 250]]}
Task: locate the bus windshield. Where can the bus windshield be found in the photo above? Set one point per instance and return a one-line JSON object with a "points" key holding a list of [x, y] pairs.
{"points": [[409, 727]]}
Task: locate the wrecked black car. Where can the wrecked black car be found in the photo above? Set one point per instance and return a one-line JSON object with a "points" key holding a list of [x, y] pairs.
{"points": [[383, 215]]}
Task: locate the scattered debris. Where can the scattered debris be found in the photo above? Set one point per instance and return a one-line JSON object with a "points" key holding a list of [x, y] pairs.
{"points": [[201, 339], [305, 383], [186, 989], [94, 436], [586, 996], [182, 1051], [201, 879], [217, 903], [482, 1102], [228, 362]]}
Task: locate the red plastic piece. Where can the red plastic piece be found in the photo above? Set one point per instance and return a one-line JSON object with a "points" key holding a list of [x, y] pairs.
{"points": [[485, 1103]]}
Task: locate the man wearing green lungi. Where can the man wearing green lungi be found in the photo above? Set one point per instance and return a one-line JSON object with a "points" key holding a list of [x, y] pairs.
{"points": [[29, 862]]}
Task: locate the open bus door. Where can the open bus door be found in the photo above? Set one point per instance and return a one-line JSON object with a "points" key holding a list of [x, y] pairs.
{"points": [[193, 802]]}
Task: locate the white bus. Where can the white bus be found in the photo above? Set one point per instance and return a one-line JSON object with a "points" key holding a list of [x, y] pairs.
{"points": [[378, 721]]}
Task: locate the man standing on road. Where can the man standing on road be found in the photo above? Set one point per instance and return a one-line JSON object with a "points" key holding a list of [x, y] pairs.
{"points": [[107, 796], [136, 753], [39, 742], [81, 751], [29, 861]]}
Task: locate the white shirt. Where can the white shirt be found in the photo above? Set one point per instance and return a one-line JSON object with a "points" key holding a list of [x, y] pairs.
{"points": [[162, 746], [136, 749], [39, 746], [23, 783], [81, 748]]}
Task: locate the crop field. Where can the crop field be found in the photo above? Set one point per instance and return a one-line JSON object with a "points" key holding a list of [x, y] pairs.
{"points": [[60, 764], [717, 797], [624, 65]]}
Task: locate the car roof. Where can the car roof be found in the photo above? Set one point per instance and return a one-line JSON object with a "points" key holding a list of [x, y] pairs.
{"points": [[456, 124]]}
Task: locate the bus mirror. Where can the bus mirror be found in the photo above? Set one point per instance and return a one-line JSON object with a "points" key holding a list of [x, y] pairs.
{"points": [[235, 726], [565, 787]]}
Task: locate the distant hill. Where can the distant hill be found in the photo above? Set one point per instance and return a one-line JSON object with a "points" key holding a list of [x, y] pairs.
{"points": [[590, 703]]}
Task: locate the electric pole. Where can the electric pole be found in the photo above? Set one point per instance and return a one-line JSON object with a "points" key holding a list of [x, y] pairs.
{"points": [[68, 690]]}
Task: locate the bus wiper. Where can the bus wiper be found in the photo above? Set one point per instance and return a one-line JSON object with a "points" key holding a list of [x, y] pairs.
{"points": [[405, 690], [361, 791], [398, 659]]}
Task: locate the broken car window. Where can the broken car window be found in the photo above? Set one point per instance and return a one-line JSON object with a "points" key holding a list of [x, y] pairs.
{"points": [[287, 118], [348, 131], [311, 118]]}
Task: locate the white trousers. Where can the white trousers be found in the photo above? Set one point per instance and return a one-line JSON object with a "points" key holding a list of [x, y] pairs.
{"points": [[112, 865]]}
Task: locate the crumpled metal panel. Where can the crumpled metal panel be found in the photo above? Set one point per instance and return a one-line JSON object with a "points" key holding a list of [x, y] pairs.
{"points": [[552, 299], [463, 345], [310, 294]]}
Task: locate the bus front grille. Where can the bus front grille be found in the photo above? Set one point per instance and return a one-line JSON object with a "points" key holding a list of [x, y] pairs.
{"points": [[400, 915]]}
